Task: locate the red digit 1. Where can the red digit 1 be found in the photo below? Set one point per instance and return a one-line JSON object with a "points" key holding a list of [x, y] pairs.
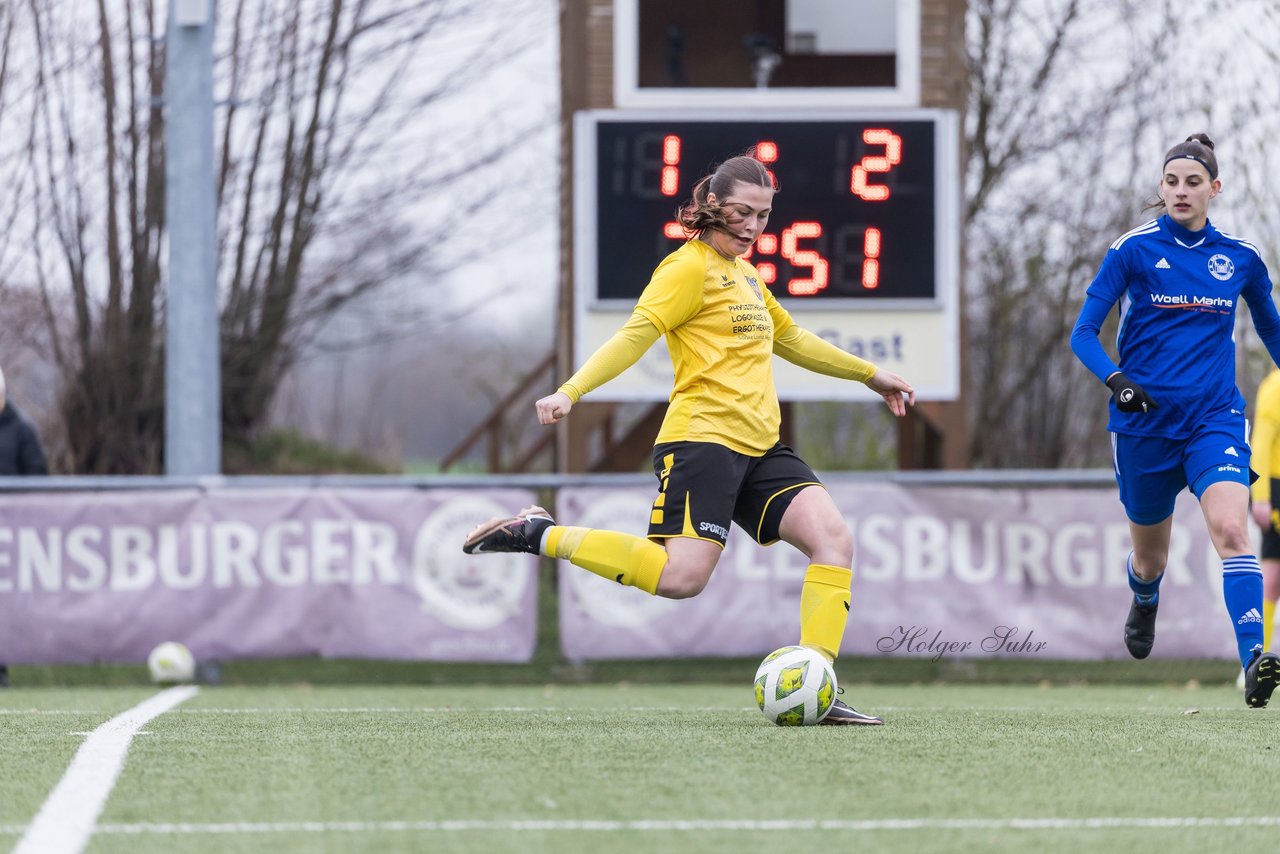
{"points": [[670, 184], [892, 157], [871, 259]]}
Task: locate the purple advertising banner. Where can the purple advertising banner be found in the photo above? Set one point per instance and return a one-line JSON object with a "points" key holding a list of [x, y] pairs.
{"points": [[938, 572], [258, 573]]}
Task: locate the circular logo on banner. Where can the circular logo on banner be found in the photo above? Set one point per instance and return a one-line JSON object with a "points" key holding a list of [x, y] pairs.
{"points": [[1221, 267], [473, 592], [606, 601]]}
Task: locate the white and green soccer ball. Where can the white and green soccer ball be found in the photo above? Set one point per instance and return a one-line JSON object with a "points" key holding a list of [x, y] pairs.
{"points": [[171, 662], [795, 686]]}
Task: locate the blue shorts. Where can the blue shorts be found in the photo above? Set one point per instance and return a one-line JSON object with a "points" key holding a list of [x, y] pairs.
{"points": [[1152, 470]]}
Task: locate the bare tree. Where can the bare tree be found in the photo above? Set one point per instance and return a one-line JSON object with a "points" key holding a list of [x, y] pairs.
{"points": [[1068, 102], [9, 159], [1248, 112], [348, 164], [20, 309]]}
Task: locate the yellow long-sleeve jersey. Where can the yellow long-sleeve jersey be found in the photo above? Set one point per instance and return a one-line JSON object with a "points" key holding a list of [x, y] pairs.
{"points": [[722, 327], [1265, 437]]}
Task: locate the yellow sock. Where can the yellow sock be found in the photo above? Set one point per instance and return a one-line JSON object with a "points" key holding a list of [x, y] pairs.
{"points": [[624, 558], [1268, 623], [824, 608]]}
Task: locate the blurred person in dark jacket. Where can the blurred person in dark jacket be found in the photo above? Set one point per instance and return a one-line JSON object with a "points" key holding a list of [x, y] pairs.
{"points": [[20, 451]]}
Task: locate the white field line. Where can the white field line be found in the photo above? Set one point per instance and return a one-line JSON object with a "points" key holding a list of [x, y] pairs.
{"points": [[378, 710], [66, 820], [680, 825], [471, 710], [362, 710], [356, 710]]}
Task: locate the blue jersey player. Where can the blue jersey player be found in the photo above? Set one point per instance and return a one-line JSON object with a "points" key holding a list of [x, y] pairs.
{"points": [[1177, 417]]}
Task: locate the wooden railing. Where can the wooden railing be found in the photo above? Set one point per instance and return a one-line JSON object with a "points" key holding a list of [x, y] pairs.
{"points": [[595, 426], [491, 428]]}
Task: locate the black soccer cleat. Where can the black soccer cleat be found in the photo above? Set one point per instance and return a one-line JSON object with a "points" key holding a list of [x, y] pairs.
{"points": [[842, 714], [519, 533], [1260, 678], [1140, 628]]}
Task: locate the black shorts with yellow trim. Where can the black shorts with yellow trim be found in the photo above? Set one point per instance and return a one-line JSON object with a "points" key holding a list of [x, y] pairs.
{"points": [[703, 486], [1270, 536]]}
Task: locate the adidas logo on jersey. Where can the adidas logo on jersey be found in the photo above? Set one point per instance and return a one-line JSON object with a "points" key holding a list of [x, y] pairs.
{"points": [[1251, 616], [1230, 451], [1162, 264]]}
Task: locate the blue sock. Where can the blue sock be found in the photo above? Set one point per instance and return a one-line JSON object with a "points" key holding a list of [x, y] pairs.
{"points": [[1242, 590], [1146, 592]]}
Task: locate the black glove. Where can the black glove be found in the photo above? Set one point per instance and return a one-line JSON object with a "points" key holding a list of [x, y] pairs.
{"points": [[1128, 395]]}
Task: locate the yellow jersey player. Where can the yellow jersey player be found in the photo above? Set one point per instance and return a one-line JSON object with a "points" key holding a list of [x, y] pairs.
{"points": [[1265, 445], [718, 458]]}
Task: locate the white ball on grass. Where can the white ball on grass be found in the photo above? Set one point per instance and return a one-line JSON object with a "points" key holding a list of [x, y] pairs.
{"points": [[171, 662], [795, 686]]}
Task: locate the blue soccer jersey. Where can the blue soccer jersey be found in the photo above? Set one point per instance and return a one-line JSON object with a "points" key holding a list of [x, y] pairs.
{"points": [[1178, 292]]}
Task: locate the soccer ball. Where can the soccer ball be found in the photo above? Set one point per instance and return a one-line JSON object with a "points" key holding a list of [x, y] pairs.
{"points": [[795, 686], [171, 662]]}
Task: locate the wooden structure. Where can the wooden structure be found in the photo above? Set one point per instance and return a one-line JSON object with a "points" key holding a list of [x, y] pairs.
{"points": [[607, 436]]}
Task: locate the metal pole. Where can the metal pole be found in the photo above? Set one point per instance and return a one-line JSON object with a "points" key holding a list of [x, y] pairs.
{"points": [[193, 423]]}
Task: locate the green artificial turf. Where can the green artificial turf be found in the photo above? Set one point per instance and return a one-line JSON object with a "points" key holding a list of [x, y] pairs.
{"points": [[583, 768]]}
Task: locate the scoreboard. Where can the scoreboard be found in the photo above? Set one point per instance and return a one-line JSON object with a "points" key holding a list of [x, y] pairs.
{"points": [[861, 246]]}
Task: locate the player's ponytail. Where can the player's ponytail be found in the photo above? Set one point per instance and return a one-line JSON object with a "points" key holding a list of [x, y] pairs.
{"points": [[1197, 147]]}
